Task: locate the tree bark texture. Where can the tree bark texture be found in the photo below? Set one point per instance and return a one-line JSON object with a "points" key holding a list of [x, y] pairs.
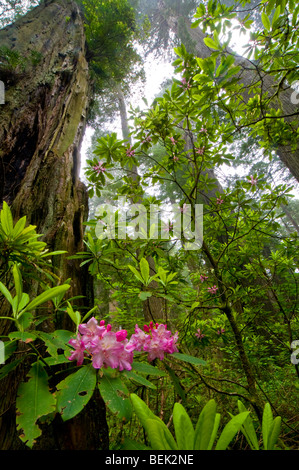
{"points": [[41, 128]]}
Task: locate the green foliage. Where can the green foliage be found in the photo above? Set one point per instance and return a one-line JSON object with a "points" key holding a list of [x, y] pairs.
{"points": [[75, 391], [110, 29], [203, 436], [34, 401]]}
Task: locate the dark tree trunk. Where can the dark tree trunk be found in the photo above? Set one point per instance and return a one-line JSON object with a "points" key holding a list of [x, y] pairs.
{"points": [[41, 128]]}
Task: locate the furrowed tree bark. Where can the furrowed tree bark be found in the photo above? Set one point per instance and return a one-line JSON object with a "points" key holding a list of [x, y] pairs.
{"points": [[41, 128]]}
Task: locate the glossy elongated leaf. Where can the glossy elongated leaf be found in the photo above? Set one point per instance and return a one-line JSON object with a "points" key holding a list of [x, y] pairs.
{"points": [[230, 430], [141, 409], [159, 435], [6, 219], [266, 424], [274, 433], [215, 430], [34, 400], [116, 395], [144, 269], [147, 369], [184, 430], [47, 295], [75, 391], [19, 227], [204, 426], [139, 379], [6, 293], [248, 429], [191, 359]]}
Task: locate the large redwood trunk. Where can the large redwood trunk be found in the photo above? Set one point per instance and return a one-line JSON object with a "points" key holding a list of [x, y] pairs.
{"points": [[41, 128]]}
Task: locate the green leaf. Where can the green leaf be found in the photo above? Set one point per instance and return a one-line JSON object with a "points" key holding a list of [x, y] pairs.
{"points": [[74, 315], [6, 219], [148, 369], [274, 433], [248, 429], [142, 410], [184, 431], [215, 430], [139, 379], [136, 273], [266, 424], [75, 391], [6, 293], [191, 359], [24, 336], [18, 282], [276, 16], [19, 227], [205, 425], [266, 21], [34, 400], [159, 435], [49, 294], [210, 43], [143, 295], [230, 430], [116, 395], [144, 269]]}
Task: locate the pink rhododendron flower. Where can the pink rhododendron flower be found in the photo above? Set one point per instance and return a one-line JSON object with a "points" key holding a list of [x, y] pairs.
{"points": [[200, 150], [199, 335], [106, 348], [221, 331], [213, 289], [203, 277], [130, 152], [253, 180], [162, 341], [172, 140], [168, 227], [78, 353], [99, 168], [112, 349], [219, 200], [185, 84], [138, 340], [146, 139]]}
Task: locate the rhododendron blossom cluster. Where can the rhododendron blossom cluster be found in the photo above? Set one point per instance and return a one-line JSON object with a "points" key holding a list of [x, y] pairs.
{"points": [[112, 349], [154, 339]]}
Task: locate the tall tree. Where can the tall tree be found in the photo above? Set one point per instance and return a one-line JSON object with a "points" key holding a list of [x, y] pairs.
{"points": [[41, 129], [173, 24]]}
